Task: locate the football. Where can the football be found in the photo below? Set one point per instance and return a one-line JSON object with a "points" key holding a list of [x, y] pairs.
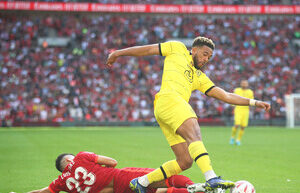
{"points": [[243, 187]]}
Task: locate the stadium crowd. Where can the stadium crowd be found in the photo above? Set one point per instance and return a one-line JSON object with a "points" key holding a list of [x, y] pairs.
{"points": [[51, 83]]}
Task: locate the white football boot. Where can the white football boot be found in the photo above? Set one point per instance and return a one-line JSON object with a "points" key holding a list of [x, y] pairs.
{"points": [[199, 187]]}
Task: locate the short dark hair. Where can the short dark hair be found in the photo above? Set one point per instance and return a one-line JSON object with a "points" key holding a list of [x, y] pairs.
{"points": [[58, 161], [203, 41]]}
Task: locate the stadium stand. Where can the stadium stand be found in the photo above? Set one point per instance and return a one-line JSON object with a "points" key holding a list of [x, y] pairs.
{"points": [[40, 82], [186, 2]]}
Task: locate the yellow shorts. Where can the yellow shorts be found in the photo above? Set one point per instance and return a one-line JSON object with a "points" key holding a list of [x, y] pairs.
{"points": [[170, 112], [241, 117]]}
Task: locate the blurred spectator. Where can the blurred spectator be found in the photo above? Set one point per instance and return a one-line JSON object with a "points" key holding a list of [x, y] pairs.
{"points": [[44, 83]]}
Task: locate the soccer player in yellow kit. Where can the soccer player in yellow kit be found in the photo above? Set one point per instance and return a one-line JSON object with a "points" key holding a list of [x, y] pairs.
{"points": [[241, 113], [181, 75]]}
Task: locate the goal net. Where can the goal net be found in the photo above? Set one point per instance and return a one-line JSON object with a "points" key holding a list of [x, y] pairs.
{"points": [[292, 103]]}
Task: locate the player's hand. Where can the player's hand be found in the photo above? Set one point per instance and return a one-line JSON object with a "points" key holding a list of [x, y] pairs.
{"points": [[263, 105], [112, 57]]}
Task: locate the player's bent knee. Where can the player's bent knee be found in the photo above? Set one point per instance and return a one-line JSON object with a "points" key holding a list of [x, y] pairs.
{"points": [[185, 163]]}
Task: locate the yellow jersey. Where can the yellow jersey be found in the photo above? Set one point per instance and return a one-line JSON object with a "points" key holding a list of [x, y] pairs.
{"points": [[247, 93], [180, 77]]}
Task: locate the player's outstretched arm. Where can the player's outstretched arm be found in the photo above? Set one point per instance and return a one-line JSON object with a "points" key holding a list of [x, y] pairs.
{"points": [[107, 161], [235, 99], [146, 50], [43, 190]]}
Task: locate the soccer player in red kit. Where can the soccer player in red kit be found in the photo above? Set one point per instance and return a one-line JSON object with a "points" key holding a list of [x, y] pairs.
{"points": [[90, 173]]}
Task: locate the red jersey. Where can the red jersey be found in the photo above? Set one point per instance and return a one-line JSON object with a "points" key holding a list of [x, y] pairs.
{"points": [[83, 175]]}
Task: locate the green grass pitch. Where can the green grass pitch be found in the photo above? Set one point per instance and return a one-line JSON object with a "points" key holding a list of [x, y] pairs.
{"points": [[269, 157]]}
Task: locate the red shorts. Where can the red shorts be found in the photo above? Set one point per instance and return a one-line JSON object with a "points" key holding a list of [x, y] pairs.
{"points": [[122, 180]]}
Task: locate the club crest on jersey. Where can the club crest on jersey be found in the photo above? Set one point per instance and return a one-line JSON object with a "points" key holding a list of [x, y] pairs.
{"points": [[189, 75], [198, 72]]}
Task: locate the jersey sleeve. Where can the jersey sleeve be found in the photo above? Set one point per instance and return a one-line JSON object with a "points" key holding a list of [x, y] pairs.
{"points": [[171, 47], [89, 156], [205, 84], [56, 186]]}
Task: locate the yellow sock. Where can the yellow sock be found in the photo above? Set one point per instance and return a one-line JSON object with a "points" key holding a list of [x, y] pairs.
{"points": [[200, 155], [233, 132], [241, 133], [165, 171]]}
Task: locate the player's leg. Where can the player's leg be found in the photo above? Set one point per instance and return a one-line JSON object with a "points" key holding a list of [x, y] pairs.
{"points": [[190, 131], [240, 135], [237, 122], [233, 134], [183, 156], [171, 167], [169, 116], [175, 184], [171, 113], [177, 181], [244, 124]]}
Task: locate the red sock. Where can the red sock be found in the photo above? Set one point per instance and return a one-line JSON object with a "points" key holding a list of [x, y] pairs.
{"points": [[178, 181]]}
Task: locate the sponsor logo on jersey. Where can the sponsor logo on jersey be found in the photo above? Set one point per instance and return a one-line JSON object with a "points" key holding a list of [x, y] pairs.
{"points": [[198, 72]]}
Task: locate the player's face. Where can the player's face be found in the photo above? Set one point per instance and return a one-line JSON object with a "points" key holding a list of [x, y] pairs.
{"points": [[201, 56], [244, 84], [67, 160]]}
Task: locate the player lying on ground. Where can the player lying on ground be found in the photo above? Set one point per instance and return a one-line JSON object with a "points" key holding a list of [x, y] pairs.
{"points": [[90, 173], [181, 75]]}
